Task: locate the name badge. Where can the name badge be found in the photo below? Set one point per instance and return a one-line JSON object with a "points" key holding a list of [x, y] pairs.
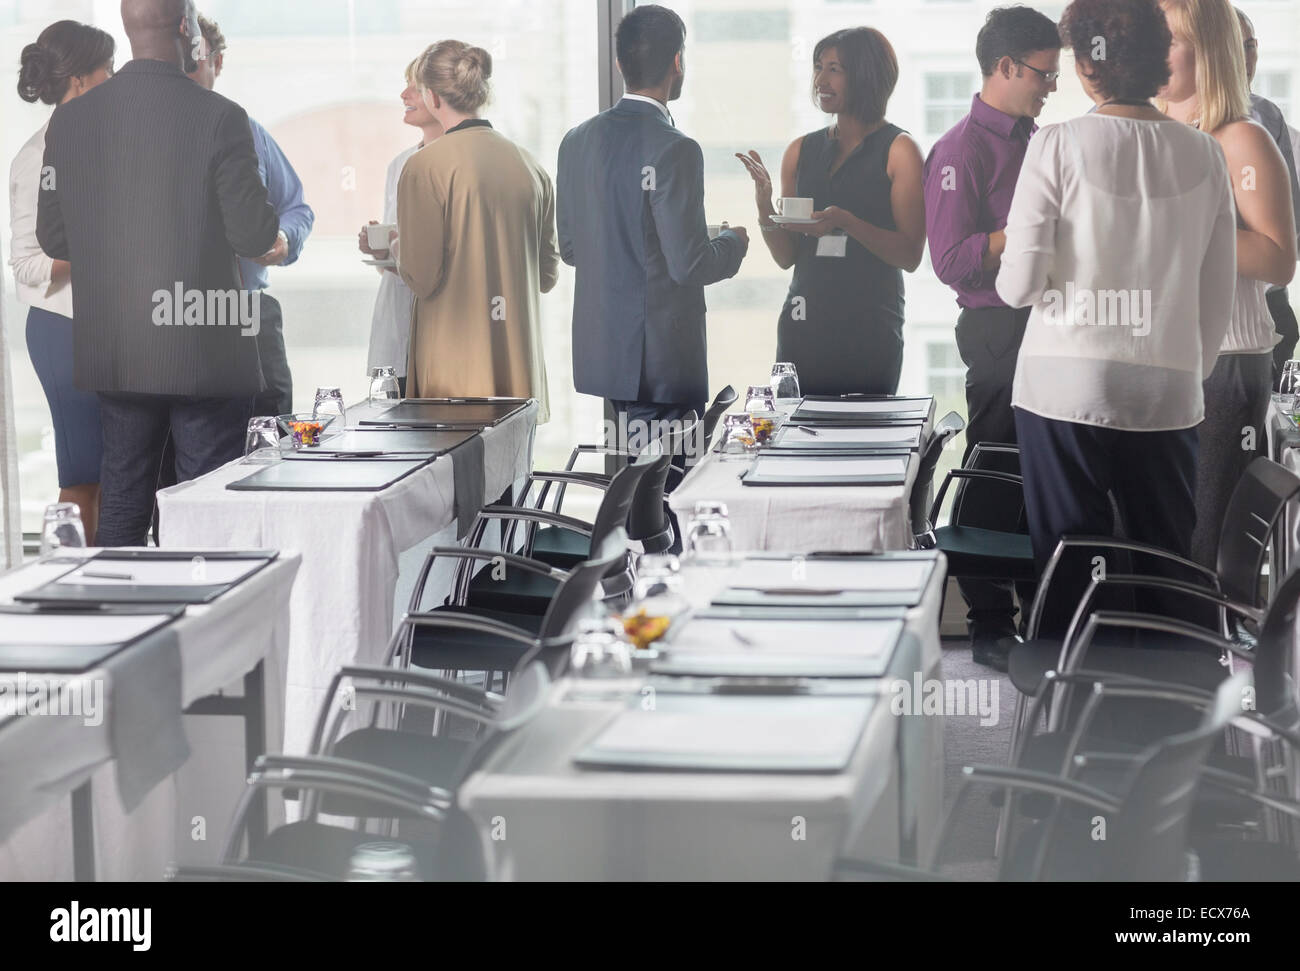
{"points": [[837, 244]]}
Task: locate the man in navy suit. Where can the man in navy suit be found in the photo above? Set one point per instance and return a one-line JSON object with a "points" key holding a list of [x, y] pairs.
{"points": [[630, 216]]}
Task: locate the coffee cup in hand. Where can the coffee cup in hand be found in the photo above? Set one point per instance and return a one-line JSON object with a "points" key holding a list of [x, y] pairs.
{"points": [[377, 235], [793, 207]]}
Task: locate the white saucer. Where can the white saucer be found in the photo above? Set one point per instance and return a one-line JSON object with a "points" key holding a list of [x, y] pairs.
{"points": [[793, 221], [382, 264]]}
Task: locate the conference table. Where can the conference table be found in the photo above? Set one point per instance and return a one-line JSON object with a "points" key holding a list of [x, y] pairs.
{"points": [[795, 519], [152, 785], [543, 816], [354, 547]]}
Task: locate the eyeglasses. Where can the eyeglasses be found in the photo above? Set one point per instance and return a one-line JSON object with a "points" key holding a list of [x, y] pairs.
{"points": [[1048, 76]]}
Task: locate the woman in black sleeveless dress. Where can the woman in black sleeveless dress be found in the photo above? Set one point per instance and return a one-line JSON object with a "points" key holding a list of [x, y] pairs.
{"points": [[842, 323]]}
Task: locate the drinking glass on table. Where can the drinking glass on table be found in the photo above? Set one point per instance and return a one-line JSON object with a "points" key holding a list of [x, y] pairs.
{"points": [[760, 398], [262, 442], [708, 533], [1289, 388], [785, 381], [383, 385], [62, 528], [329, 401], [738, 435], [600, 650]]}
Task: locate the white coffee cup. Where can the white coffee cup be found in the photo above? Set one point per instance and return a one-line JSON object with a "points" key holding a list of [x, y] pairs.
{"points": [[796, 208], [377, 236]]}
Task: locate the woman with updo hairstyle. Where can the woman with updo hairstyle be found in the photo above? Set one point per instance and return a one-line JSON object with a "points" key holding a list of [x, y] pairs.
{"points": [[1121, 240], [67, 60], [477, 244]]}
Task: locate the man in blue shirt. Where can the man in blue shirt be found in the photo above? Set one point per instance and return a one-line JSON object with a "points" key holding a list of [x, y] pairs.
{"points": [[284, 190]]}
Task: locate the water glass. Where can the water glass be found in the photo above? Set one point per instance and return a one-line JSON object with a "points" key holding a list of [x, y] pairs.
{"points": [[384, 862], [1289, 388], [62, 528], [760, 398], [708, 534], [383, 385], [738, 435], [785, 381], [262, 442], [329, 401], [600, 650]]}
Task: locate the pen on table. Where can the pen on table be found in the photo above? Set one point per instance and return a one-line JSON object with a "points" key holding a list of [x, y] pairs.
{"points": [[810, 431], [107, 576]]}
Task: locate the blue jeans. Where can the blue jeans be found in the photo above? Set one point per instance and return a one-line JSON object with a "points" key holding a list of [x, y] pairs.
{"points": [[205, 432]]}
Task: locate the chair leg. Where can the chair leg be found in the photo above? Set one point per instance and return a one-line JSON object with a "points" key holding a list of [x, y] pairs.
{"points": [[1004, 816]]}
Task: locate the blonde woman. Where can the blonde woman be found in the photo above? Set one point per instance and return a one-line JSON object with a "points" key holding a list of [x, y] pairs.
{"points": [[390, 325], [1208, 89], [477, 245]]}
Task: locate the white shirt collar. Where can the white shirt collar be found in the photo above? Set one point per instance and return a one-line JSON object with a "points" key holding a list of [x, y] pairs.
{"points": [[651, 101]]}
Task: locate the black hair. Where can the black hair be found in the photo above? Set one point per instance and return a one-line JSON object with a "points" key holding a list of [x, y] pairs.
{"points": [[647, 41], [1014, 32], [871, 67], [1134, 63], [65, 50]]}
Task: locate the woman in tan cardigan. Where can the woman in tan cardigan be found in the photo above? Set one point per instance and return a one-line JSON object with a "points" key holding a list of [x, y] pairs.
{"points": [[477, 245]]}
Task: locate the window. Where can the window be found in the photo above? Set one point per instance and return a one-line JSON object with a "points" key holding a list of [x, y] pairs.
{"points": [[947, 100], [1276, 86]]}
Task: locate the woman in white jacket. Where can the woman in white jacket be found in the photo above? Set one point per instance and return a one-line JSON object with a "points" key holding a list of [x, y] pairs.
{"points": [[1122, 240]]}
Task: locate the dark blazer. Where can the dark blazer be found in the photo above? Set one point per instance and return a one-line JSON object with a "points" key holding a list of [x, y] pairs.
{"points": [[154, 184], [630, 218]]}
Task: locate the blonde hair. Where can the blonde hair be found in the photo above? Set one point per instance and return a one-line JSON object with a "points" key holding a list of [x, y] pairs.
{"points": [[457, 73], [1212, 29]]}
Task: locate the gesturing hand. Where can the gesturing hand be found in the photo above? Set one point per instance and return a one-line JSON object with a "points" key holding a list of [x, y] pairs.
{"points": [[762, 179]]}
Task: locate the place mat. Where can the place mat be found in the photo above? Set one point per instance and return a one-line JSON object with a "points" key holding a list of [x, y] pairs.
{"points": [[826, 470], [732, 733], [469, 472], [149, 577], [447, 413], [897, 579], [360, 475], [375, 442], [864, 408], [36, 640], [765, 648], [847, 438]]}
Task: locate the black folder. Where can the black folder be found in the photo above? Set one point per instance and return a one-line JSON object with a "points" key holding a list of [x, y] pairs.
{"points": [[447, 413]]}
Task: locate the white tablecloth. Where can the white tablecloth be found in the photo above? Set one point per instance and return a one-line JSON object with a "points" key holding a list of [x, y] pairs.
{"points": [[542, 818], [342, 608], [184, 817], [803, 518]]}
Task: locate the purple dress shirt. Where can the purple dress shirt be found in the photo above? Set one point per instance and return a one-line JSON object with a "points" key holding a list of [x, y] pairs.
{"points": [[970, 177]]}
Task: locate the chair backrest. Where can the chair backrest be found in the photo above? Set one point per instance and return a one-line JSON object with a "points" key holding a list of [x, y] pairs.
{"points": [[1148, 841], [947, 428], [575, 592], [1248, 522], [617, 502], [648, 522], [1274, 649], [713, 414]]}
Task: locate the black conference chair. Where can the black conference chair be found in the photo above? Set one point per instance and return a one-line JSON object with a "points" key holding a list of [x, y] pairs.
{"points": [[444, 841], [948, 427], [648, 523], [517, 585], [981, 552], [1147, 821]]}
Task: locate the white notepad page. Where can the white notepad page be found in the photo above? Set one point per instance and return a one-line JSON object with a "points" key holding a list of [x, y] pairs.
{"points": [[821, 574], [828, 467]]}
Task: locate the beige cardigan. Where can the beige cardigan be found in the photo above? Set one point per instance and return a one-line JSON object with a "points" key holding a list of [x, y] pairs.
{"points": [[477, 247]]}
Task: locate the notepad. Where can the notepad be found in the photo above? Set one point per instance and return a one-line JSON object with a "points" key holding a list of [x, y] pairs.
{"points": [[57, 642], [717, 733], [793, 470], [798, 437], [897, 580], [767, 648], [197, 572]]}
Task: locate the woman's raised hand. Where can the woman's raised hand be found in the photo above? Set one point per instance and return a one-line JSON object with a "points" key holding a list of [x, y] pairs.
{"points": [[762, 180]]}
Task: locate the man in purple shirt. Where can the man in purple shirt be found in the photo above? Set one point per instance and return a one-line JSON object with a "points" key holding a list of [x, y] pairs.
{"points": [[970, 177]]}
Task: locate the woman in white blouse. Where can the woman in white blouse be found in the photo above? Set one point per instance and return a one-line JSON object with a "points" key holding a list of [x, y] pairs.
{"points": [[67, 60], [390, 326], [1208, 89], [1121, 237]]}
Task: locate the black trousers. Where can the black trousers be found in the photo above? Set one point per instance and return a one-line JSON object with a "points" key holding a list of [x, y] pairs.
{"points": [[1284, 322], [277, 399], [1070, 472], [988, 340], [635, 430], [205, 433]]}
